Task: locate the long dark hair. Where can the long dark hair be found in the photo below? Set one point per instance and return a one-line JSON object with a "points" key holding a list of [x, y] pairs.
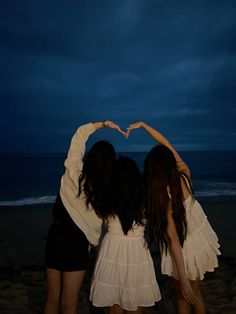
{"points": [[162, 185], [127, 193], [95, 178]]}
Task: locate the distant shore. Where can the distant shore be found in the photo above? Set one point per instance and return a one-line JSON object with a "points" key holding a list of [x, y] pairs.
{"points": [[23, 286]]}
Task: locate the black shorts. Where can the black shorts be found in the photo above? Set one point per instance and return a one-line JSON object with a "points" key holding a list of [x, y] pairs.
{"points": [[67, 246]]}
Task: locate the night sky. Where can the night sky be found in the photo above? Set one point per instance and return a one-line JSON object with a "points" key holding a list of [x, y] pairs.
{"points": [[169, 63]]}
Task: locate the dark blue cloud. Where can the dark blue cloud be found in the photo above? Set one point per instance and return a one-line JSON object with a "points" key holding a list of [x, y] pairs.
{"points": [[170, 64]]}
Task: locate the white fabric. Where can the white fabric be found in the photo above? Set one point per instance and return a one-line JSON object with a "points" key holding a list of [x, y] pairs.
{"points": [[200, 247], [84, 217], [124, 273]]}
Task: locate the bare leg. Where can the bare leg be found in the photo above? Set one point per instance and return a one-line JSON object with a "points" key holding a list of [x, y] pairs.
{"points": [[71, 284], [115, 309], [138, 311], [199, 306], [183, 306], [54, 291]]}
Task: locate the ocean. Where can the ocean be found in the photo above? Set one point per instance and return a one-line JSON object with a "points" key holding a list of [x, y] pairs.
{"points": [[28, 179]]}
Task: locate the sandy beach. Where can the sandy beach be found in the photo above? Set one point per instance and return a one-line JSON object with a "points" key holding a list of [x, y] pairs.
{"points": [[23, 285]]}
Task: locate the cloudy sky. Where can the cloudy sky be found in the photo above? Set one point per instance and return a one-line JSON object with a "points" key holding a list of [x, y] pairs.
{"points": [[169, 63]]}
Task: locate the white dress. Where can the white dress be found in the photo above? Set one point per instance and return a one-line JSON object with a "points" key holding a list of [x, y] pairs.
{"points": [[124, 272], [200, 247]]}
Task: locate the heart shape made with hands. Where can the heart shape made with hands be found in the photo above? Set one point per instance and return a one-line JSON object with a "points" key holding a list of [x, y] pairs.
{"points": [[125, 133], [132, 126], [129, 129]]}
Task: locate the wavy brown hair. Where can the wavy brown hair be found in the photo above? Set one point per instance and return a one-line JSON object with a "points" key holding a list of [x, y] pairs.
{"points": [[95, 178], [161, 175]]}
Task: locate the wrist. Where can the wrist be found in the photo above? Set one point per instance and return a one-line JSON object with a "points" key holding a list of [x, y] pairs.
{"points": [[100, 124], [104, 124], [183, 280]]}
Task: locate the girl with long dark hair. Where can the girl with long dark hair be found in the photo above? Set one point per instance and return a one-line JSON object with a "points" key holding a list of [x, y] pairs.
{"points": [[76, 217], [124, 277], [177, 222]]}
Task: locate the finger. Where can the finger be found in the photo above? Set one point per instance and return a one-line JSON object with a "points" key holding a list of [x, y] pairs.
{"points": [[190, 298], [118, 128], [121, 131], [193, 298], [114, 126], [129, 129], [186, 298], [128, 133], [132, 127]]}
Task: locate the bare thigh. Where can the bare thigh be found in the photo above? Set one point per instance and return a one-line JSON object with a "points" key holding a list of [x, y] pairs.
{"points": [[54, 284], [138, 311], [54, 291], [71, 284], [116, 309]]}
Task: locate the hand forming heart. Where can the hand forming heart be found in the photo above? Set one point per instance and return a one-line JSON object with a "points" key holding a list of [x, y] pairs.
{"points": [[131, 127]]}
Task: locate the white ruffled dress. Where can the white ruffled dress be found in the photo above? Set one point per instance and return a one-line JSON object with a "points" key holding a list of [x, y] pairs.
{"points": [[200, 248], [124, 272]]}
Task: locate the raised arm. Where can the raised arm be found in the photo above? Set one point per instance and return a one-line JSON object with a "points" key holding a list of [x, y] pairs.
{"points": [[157, 136], [176, 251], [77, 146], [74, 160]]}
